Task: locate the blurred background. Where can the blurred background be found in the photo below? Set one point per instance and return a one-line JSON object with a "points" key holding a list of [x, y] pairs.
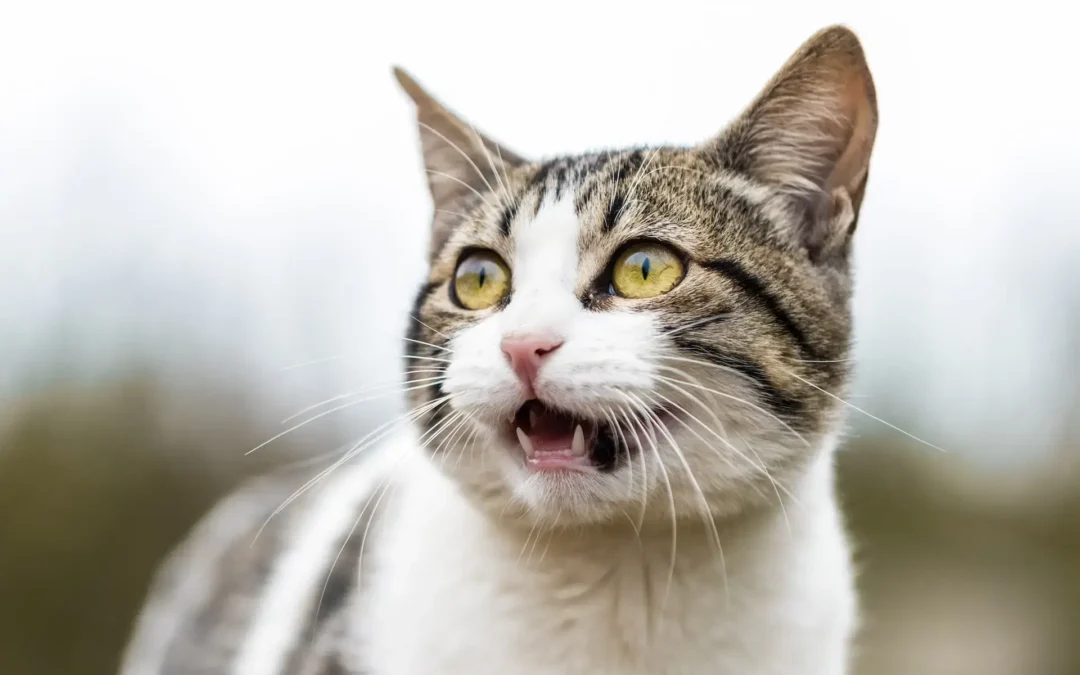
{"points": [[214, 215]]}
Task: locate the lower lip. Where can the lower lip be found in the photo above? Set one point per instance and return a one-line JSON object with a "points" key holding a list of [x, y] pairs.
{"points": [[560, 464]]}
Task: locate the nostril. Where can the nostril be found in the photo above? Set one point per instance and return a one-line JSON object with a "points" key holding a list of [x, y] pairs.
{"points": [[544, 351], [527, 352]]}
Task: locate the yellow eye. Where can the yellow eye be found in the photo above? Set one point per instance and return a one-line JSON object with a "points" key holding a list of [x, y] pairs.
{"points": [[481, 280], [646, 270]]}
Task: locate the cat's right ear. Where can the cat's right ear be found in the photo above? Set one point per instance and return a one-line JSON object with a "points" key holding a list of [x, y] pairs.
{"points": [[460, 161], [809, 134]]}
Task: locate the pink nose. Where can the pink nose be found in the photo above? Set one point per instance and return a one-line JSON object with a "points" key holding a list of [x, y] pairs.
{"points": [[526, 354]]}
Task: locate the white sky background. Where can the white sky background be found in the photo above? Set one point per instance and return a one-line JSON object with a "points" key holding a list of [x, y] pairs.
{"points": [[246, 180]]}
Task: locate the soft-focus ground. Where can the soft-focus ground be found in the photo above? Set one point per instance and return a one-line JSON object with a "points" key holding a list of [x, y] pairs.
{"points": [[963, 571]]}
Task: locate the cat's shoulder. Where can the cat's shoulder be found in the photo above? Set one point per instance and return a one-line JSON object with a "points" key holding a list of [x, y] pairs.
{"points": [[263, 581]]}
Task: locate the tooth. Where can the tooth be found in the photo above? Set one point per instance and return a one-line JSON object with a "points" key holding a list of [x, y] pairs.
{"points": [[578, 446], [532, 418], [526, 444]]}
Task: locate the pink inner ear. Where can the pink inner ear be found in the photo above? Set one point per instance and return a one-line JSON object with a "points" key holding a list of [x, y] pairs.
{"points": [[852, 166], [811, 129]]}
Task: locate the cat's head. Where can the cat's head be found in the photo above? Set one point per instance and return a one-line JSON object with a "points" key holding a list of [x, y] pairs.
{"points": [[632, 332]]}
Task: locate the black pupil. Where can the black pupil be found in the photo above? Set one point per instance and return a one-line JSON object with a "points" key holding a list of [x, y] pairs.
{"points": [[483, 275], [645, 268]]}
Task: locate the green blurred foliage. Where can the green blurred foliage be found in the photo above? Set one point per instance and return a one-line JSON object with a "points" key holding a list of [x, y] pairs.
{"points": [[96, 485]]}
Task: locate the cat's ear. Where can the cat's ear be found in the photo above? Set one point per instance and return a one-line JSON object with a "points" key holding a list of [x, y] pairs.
{"points": [[459, 160], [809, 134]]}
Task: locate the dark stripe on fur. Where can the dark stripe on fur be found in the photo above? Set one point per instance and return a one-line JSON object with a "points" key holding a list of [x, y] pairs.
{"points": [[507, 217], [630, 165], [415, 331], [539, 181], [560, 179], [755, 288], [785, 407], [594, 174], [324, 634], [615, 209]]}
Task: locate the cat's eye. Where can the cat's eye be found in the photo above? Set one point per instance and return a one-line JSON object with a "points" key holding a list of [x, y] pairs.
{"points": [[645, 270], [481, 280]]}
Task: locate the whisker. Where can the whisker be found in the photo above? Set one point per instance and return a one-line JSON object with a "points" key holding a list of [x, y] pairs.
{"points": [[551, 535], [706, 512], [634, 182], [470, 440], [644, 466], [871, 416], [428, 344], [385, 487], [760, 466], [443, 335], [374, 387], [463, 154], [381, 488], [621, 441], [465, 217], [671, 501], [502, 163], [427, 358], [457, 419], [726, 395], [325, 413], [504, 190], [695, 324], [367, 441], [673, 383], [528, 538], [461, 182]]}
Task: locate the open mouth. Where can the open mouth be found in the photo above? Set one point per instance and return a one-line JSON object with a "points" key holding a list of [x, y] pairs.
{"points": [[553, 440]]}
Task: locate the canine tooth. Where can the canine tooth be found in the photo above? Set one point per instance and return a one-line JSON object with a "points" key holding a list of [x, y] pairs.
{"points": [[526, 444], [578, 445], [532, 417]]}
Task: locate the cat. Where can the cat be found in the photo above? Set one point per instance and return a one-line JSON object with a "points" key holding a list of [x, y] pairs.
{"points": [[625, 374]]}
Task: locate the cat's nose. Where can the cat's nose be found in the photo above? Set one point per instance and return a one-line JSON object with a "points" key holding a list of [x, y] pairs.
{"points": [[526, 354]]}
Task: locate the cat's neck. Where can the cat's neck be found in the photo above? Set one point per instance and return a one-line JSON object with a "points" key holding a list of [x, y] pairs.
{"points": [[647, 599]]}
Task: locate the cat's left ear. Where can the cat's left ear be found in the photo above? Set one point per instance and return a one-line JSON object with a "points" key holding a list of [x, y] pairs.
{"points": [[460, 161], [809, 135]]}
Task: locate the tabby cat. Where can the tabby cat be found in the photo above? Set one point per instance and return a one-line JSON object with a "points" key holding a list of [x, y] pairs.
{"points": [[625, 372]]}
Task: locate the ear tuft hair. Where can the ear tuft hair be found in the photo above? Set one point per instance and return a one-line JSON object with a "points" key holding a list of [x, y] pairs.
{"points": [[460, 161]]}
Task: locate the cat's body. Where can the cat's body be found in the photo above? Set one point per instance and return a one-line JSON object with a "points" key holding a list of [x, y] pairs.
{"points": [[624, 370]]}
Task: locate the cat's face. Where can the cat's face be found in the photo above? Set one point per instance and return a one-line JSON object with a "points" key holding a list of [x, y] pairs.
{"points": [[648, 333]]}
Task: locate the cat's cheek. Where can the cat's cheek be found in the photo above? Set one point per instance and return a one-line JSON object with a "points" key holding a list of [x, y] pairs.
{"points": [[478, 380]]}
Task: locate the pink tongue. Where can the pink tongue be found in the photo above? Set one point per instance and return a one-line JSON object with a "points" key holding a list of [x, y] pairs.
{"points": [[550, 433]]}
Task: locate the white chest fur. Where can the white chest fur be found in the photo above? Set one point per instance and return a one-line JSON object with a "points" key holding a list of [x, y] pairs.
{"points": [[453, 593]]}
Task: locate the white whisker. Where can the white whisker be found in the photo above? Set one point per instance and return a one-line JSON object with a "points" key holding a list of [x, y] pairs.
{"points": [[671, 500], [324, 414], [463, 183], [461, 152], [442, 335], [375, 387], [428, 344], [726, 395], [367, 441], [695, 324], [706, 512], [871, 416]]}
